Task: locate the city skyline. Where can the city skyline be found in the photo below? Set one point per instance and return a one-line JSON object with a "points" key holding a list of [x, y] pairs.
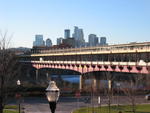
{"points": [[76, 40], [119, 21]]}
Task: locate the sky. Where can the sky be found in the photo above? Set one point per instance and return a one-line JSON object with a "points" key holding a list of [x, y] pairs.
{"points": [[121, 21]]}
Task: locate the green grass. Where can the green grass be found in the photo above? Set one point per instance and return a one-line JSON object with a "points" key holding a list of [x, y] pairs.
{"points": [[115, 109], [11, 109]]}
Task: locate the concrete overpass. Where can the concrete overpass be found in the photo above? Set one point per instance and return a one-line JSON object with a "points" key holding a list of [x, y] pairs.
{"points": [[130, 58]]}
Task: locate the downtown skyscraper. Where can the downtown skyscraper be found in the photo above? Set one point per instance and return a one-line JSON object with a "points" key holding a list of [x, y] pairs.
{"points": [[78, 35], [93, 40], [39, 41], [67, 33]]}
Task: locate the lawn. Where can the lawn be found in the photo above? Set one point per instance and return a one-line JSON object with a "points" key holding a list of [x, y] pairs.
{"points": [[11, 109], [115, 109]]}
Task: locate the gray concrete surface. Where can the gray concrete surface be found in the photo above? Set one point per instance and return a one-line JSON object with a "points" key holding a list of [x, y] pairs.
{"points": [[67, 105]]}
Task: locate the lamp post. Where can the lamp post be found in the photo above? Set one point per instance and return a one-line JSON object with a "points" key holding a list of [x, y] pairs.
{"points": [[118, 89], [52, 93], [18, 94]]}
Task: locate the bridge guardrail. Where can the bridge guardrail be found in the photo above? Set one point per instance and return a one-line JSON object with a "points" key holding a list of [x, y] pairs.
{"points": [[141, 63]]}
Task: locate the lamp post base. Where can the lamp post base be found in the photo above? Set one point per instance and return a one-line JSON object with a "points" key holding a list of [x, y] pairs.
{"points": [[52, 106]]}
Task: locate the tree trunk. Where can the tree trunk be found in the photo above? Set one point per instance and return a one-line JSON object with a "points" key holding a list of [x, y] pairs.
{"points": [[1, 94], [1, 104]]}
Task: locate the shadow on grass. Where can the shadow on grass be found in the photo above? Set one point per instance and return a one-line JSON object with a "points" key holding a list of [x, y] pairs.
{"points": [[124, 108], [118, 108], [142, 112], [137, 112]]}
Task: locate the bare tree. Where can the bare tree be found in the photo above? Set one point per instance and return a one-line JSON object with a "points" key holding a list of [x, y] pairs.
{"points": [[8, 70], [132, 89], [109, 91]]}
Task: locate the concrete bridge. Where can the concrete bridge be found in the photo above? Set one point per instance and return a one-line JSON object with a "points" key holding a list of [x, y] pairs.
{"points": [[130, 58]]}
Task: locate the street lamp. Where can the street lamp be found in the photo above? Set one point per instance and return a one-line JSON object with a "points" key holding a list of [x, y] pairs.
{"points": [[118, 89], [52, 93], [18, 82], [18, 94]]}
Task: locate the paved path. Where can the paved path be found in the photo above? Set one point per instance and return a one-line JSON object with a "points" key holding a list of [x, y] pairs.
{"points": [[44, 108], [40, 105], [66, 105]]}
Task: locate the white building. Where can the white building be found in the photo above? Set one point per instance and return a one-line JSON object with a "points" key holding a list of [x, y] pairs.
{"points": [[39, 41]]}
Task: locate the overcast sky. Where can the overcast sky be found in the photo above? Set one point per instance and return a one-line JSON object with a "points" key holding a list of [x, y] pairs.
{"points": [[121, 21]]}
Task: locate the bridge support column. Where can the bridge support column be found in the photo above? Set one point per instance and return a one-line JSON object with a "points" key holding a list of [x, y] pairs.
{"points": [[98, 87], [48, 77], [95, 84], [80, 82], [36, 72], [109, 85]]}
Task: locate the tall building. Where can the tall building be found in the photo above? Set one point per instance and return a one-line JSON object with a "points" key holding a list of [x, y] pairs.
{"points": [[103, 41], [67, 33], [59, 41], [70, 42], [79, 37], [48, 42], [93, 40], [39, 41]]}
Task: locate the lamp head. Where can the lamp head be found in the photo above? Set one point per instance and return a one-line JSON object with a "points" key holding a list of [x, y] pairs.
{"points": [[52, 92], [18, 82]]}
